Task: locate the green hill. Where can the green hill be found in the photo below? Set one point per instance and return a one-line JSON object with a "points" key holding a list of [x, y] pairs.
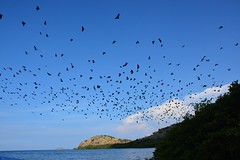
{"points": [[100, 142], [146, 142], [213, 133], [104, 141]]}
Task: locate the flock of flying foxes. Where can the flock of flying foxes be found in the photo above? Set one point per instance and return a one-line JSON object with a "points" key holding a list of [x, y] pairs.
{"points": [[133, 89]]}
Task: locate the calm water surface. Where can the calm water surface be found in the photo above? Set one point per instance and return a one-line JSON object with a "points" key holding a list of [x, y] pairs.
{"points": [[98, 154]]}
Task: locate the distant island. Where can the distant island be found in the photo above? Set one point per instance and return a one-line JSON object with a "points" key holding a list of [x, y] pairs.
{"points": [[101, 142], [106, 141]]}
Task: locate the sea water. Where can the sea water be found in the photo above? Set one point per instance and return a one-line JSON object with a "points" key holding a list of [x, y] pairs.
{"points": [[97, 154]]}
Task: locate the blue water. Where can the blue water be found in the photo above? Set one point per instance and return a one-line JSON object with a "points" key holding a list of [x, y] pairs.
{"points": [[98, 154]]}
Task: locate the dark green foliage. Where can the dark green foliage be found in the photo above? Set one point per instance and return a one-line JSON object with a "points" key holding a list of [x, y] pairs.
{"points": [[139, 143], [213, 133], [146, 142]]}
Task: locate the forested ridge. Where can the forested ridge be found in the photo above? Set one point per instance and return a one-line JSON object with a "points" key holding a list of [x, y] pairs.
{"points": [[212, 133]]}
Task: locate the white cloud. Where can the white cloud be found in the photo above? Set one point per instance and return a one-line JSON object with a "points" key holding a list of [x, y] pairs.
{"points": [[145, 122], [208, 93]]}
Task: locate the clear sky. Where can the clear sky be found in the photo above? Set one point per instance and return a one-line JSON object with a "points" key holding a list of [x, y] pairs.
{"points": [[71, 70]]}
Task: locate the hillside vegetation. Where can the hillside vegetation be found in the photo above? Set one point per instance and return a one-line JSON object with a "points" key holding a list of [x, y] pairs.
{"points": [[146, 142], [213, 133], [104, 141], [101, 142]]}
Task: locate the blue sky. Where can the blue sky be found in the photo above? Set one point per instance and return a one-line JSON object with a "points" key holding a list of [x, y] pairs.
{"points": [[98, 94]]}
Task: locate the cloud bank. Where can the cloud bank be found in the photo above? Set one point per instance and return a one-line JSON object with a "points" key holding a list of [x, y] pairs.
{"points": [[147, 121]]}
